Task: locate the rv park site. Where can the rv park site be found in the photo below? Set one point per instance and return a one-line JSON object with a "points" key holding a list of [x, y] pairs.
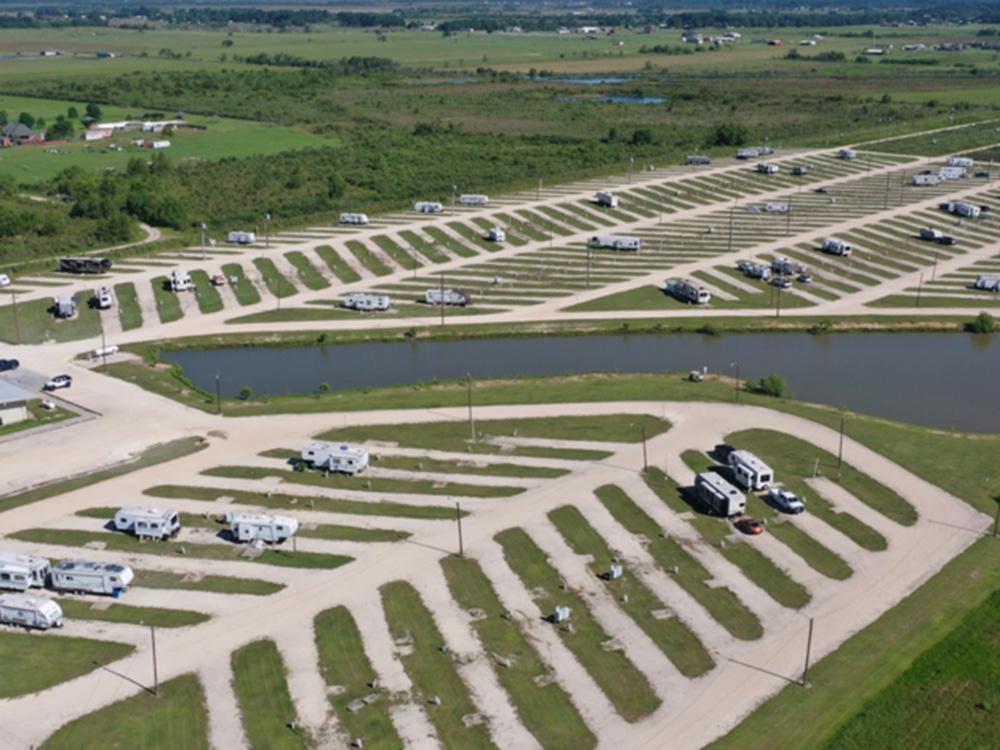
{"points": [[199, 551]]}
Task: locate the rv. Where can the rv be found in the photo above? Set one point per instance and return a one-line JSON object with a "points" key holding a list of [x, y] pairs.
{"points": [[961, 161], [963, 209], [787, 266], [987, 283], [148, 523], [64, 307], [777, 208], [343, 458], [606, 199], [688, 291], [926, 180], [428, 207], [847, 154], [616, 242], [718, 495], [749, 471], [951, 173], [21, 572], [242, 238], [698, 160], [474, 200], [366, 302], [249, 527], [105, 299], [833, 246], [447, 297], [87, 265], [768, 168], [180, 281], [800, 170], [754, 152], [496, 234], [929, 233], [354, 218], [754, 270], [92, 578], [30, 612]]}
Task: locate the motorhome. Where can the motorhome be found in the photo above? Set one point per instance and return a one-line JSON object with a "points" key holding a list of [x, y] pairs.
{"points": [[961, 161], [987, 283], [87, 265], [768, 168], [428, 207], [847, 154], [799, 170], [180, 281], [607, 199], [474, 200], [340, 458], [951, 173], [30, 612], [447, 297], [148, 523], [719, 496], [754, 270], [21, 572], [242, 238], [616, 242], [833, 246], [749, 471], [367, 302], [348, 218], [496, 234], [688, 291], [787, 266], [251, 527], [105, 298], [754, 152], [698, 160], [963, 209], [91, 578]]}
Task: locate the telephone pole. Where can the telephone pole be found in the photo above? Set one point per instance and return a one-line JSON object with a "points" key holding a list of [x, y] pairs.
{"points": [[472, 421], [203, 228], [458, 519], [809, 643], [218, 395], [441, 301], [840, 448], [645, 463], [17, 323], [156, 671], [267, 230]]}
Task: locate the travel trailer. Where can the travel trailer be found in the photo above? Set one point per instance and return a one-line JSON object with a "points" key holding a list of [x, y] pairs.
{"points": [[367, 302], [30, 612], [340, 458], [21, 572], [719, 496], [749, 471], [250, 527], [687, 291], [148, 523], [92, 578]]}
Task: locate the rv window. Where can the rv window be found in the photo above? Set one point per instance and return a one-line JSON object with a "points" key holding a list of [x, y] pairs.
{"points": [[113, 579]]}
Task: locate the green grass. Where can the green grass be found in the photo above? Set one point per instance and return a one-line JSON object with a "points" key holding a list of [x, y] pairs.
{"points": [[207, 296], [129, 310], [541, 704], [398, 254], [673, 637], [34, 324], [337, 264], [720, 602], [274, 280], [233, 552], [431, 669], [246, 293], [124, 613], [152, 456], [344, 665], [176, 718], [843, 682], [168, 307], [367, 258], [625, 686], [32, 663], [37, 417], [162, 579], [307, 273], [326, 504], [259, 679]]}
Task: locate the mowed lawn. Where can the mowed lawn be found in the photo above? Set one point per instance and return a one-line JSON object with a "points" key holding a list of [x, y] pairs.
{"points": [[33, 662]]}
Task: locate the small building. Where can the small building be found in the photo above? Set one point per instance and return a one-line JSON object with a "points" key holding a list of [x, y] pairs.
{"points": [[19, 134], [180, 281], [749, 471], [349, 218], [428, 207], [496, 234], [13, 403], [91, 577], [718, 495], [21, 572], [474, 200], [342, 458], [606, 199], [616, 242], [251, 527], [64, 307], [688, 291], [95, 134], [367, 302], [30, 612], [447, 297], [148, 523]]}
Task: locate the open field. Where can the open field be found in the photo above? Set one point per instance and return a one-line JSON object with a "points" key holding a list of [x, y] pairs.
{"points": [[30, 667]]}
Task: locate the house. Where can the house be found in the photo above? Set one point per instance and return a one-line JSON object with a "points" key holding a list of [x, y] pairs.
{"points": [[718, 495], [30, 612], [18, 134], [21, 572], [250, 527], [148, 523], [343, 458], [92, 578], [749, 471], [64, 307], [13, 403]]}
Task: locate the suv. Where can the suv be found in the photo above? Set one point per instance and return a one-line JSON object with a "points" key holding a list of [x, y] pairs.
{"points": [[785, 501], [9, 364], [59, 381]]}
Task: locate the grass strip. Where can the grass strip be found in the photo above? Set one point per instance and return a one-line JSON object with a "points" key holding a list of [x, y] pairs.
{"points": [[129, 309], [310, 277], [34, 322], [162, 579], [367, 258], [168, 306], [205, 294], [337, 265], [246, 293], [261, 685], [275, 281], [32, 663], [397, 253], [123, 613]]}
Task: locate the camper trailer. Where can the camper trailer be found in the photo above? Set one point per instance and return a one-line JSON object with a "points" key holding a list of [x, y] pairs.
{"points": [[951, 173], [698, 160], [833, 246], [342, 458], [616, 242], [250, 527], [776, 207], [926, 180], [428, 207], [718, 495], [929, 233], [847, 154], [91, 578], [607, 199], [21, 572], [961, 161], [105, 299], [354, 218], [242, 238], [496, 234], [30, 612], [963, 209], [799, 170], [180, 281], [754, 270], [471, 199], [687, 291], [64, 307], [749, 471], [754, 152], [987, 283], [89, 265], [768, 168], [148, 523], [447, 297], [787, 266], [367, 302]]}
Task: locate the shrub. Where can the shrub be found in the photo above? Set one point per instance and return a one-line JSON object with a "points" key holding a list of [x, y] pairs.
{"points": [[772, 385], [246, 393], [983, 323]]}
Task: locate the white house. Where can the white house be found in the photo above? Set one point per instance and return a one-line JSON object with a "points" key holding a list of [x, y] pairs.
{"points": [[92, 578], [21, 572], [250, 527], [30, 612], [340, 458], [718, 495], [749, 471], [148, 523]]}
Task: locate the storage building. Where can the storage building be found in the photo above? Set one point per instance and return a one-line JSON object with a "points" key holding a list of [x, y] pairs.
{"points": [[13, 403]]}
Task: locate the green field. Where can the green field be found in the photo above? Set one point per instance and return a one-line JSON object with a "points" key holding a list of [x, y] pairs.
{"points": [[262, 691], [126, 613], [32, 663], [33, 322]]}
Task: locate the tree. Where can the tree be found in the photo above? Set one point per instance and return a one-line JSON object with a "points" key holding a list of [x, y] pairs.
{"points": [[642, 137], [3, 117], [62, 129], [93, 111], [729, 134], [772, 385], [115, 227], [73, 113], [246, 393], [983, 323], [26, 118]]}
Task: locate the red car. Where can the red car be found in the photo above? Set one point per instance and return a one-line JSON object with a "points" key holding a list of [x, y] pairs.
{"points": [[750, 526]]}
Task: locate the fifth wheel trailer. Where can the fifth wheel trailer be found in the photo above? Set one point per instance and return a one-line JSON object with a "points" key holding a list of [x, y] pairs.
{"points": [[92, 578], [148, 523], [251, 527], [30, 612], [719, 496], [21, 572], [749, 471], [90, 265], [341, 458], [616, 242]]}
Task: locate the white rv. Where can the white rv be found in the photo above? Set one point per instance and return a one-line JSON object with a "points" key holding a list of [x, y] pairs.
{"points": [[428, 207], [242, 238], [616, 242], [105, 299], [21, 572], [754, 152], [847, 154], [987, 283], [496, 234], [926, 180], [698, 160], [448, 297], [607, 199], [963, 209], [367, 302], [754, 270], [751, 473], [354, 218], [470, 199], [768, 168], [342, 458], [775, 207], [787, 266], [249, 527], [833, 246], [718, 495], [951, 173], [961, 161], [30, 612], [180, 281], [148, 523], [688, 291], [92, 578]]}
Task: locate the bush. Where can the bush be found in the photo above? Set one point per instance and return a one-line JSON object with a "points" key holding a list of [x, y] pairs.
{"points": [[772, 385], [983, 323], [729, 134], [246, 393]]}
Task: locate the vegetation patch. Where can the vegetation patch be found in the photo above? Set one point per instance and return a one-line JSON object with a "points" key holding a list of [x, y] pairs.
{"points": [[126, 613], [269, 717], [32, 663]]}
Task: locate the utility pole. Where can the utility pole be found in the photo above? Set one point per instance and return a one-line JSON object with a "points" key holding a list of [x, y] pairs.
{"points": [[441, 301], [631, 166], [454, 189], [458, 519], [17, 323], [888, 180], [934, 270], [218, 395], [203, 228], [840, 449], [996, 518], [472, 421], [920, 285], [788, 218], [104, 349], [732, 218], [645, 463], [777, 308], [267, 230], [589, 253], [809, 643], [538, 193], [156, 671], [736, 386]]}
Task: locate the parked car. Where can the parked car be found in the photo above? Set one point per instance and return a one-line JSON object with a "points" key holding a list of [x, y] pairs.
{"points": [[59, 381], [805, 278], [6, 365], [785, 501], [750, 526], [4, 280], [782, 282], [218, 280], [822, 190]]}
